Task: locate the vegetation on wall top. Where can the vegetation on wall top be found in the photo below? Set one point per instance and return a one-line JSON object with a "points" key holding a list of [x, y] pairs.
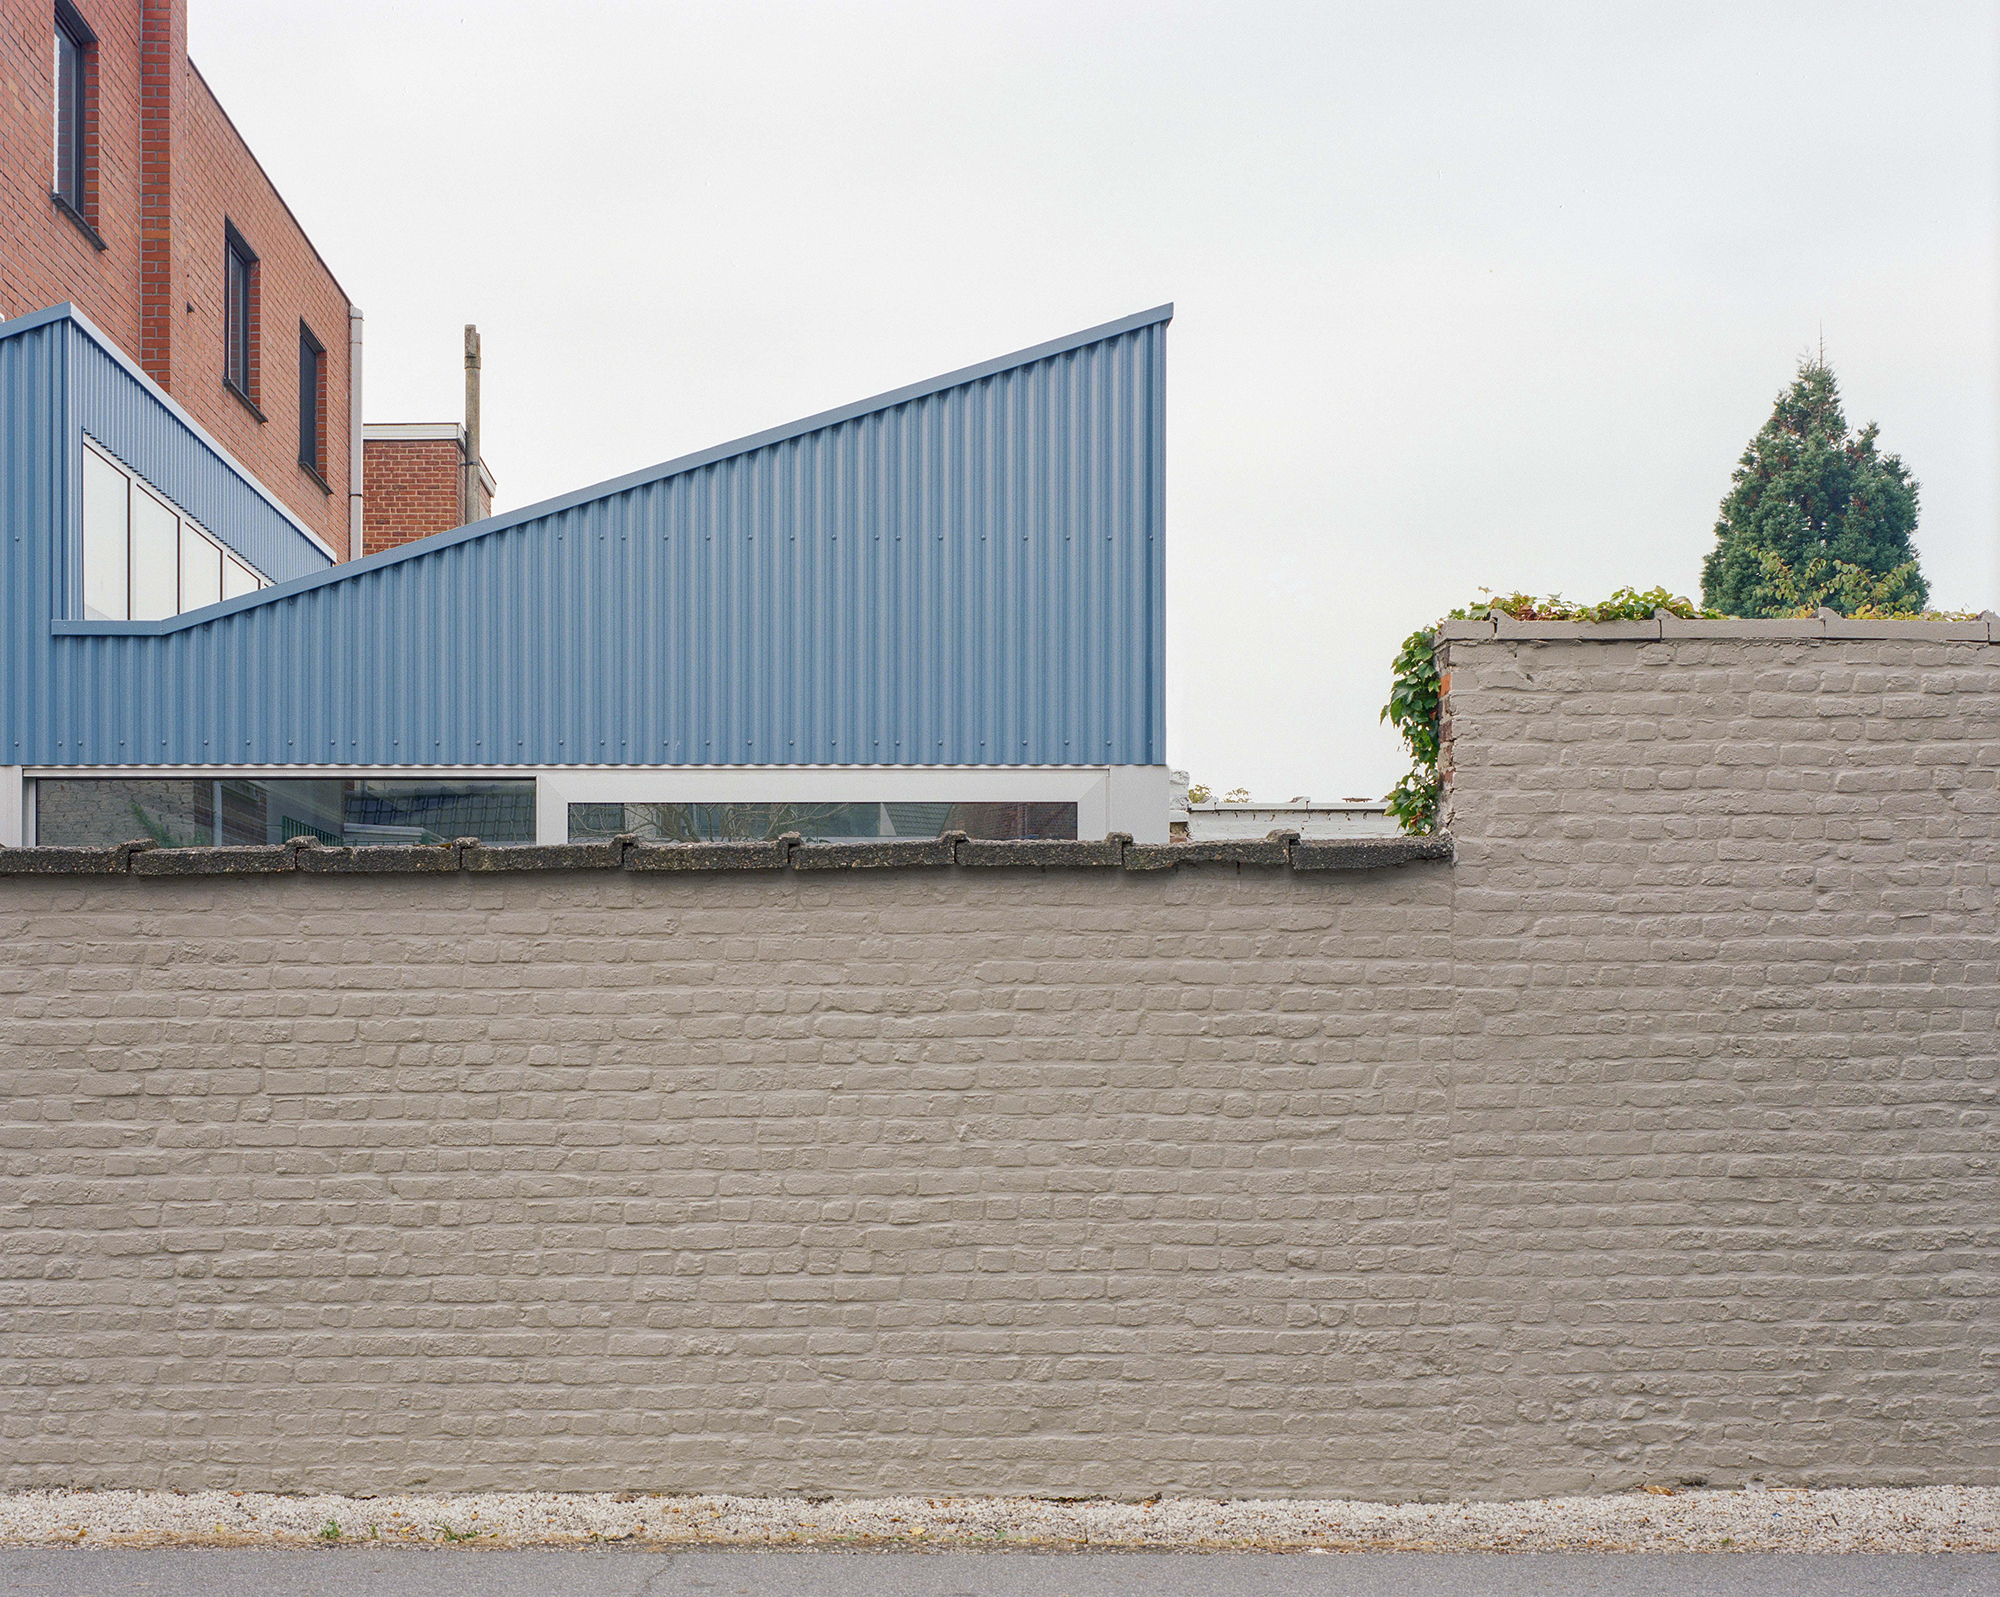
{"points": [[1414, 689]]}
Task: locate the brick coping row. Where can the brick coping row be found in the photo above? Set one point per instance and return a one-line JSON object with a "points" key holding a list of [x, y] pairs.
{"points": [[308, 856]]}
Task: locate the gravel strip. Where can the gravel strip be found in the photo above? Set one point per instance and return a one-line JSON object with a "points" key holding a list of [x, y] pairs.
{"points": [[1924, 1519]]}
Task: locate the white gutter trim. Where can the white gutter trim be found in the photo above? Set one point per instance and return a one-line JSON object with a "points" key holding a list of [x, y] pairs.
{"points": [[355, 483], [414, 431], [427, 432]]}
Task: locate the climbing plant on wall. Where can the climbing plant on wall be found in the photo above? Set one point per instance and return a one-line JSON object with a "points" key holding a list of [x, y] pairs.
{"points": [[1414, 688]]}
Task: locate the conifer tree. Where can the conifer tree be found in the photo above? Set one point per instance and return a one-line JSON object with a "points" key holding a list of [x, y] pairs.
{"points": [[1815, 515]]}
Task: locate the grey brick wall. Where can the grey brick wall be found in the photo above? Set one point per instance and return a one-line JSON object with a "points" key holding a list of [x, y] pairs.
{"points": [[1653, 1138], [1723, 1118]]}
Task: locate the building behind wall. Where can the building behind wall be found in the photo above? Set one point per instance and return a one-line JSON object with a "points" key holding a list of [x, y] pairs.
{"points": [[939, 609], [413, 472], [126, 191]]}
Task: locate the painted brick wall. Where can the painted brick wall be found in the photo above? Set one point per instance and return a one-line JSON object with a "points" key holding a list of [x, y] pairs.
{"points": [[169, 168], [1652, 1139], [1725, 1032]]}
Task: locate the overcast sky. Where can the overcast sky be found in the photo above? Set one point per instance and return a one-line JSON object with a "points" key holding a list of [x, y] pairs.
{"points": [[1467, 294]]}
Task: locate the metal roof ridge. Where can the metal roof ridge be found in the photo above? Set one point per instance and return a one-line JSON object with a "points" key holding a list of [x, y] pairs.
{"points": [[437, 541]]}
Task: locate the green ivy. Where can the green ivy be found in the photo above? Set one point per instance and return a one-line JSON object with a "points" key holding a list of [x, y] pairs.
{"points": [[1413, 705], [1413, 711]]}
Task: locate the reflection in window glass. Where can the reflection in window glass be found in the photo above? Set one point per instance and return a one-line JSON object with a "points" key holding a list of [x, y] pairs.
{"points": [[71, 105], [142, 559], [238, 334], [711, 823], [105, 521], [156, 549], [201, 569], [188, 812]]}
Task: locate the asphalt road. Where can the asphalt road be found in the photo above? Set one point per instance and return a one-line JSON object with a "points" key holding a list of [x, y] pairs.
{"points": [[462, 1573]]}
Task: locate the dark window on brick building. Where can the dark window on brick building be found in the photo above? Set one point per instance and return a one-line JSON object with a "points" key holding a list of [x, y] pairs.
{"points": [[73, 41], [239, 330], [312, 401]]}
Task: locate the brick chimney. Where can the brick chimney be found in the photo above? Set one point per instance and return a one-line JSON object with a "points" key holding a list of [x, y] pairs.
{"points": [[413, 475]]}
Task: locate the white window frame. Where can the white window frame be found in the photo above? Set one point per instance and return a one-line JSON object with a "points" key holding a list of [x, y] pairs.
{"points": [[185, 524]]}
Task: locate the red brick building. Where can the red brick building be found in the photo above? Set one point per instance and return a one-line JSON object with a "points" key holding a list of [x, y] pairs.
{"points": [[125, 190], [413, 470]]}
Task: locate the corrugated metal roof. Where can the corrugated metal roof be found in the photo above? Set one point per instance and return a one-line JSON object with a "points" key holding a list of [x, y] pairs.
{"points": [[966, 571]]}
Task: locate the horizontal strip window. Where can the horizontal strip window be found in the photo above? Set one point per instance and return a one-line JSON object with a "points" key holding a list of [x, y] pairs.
{"points": [[204, 811], [817, 823], [143, 558]]}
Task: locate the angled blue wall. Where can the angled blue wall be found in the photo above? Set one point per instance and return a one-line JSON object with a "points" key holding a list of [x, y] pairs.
{"points": [[121, 409], [34, 554], [968, 571]]}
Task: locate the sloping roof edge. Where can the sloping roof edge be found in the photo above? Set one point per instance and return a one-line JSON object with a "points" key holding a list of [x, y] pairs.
{"points": [[67, 312], [603, 490]]}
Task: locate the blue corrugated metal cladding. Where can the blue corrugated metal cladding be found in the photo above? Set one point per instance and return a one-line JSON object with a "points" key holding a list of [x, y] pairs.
{"points": [[965, 572]]}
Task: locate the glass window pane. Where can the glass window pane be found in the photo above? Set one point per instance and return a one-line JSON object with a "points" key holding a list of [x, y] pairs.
{"points": [[237, 578], [174, 812], [156, 537], [236, 299], [105, 596], [201, 570], [194, 811], [69, 119], [821, 822], [69, 92], [432, 810], [309, 359]]}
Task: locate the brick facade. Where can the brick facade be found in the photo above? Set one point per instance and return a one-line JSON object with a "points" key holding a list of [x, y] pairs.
{"points": [[1652, 1139], [411, 484], [169, 171]]}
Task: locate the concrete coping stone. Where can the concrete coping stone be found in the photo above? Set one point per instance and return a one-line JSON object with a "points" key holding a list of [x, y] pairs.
{"points": [[1647, 631], [1746, 629], [242, 859], [1279, 850], [1273, 850], [362, 859], [894, 853], [607, 855], [59, 860], [1367, 853], [771, 855], [1045, 852], [1914, 631]]}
